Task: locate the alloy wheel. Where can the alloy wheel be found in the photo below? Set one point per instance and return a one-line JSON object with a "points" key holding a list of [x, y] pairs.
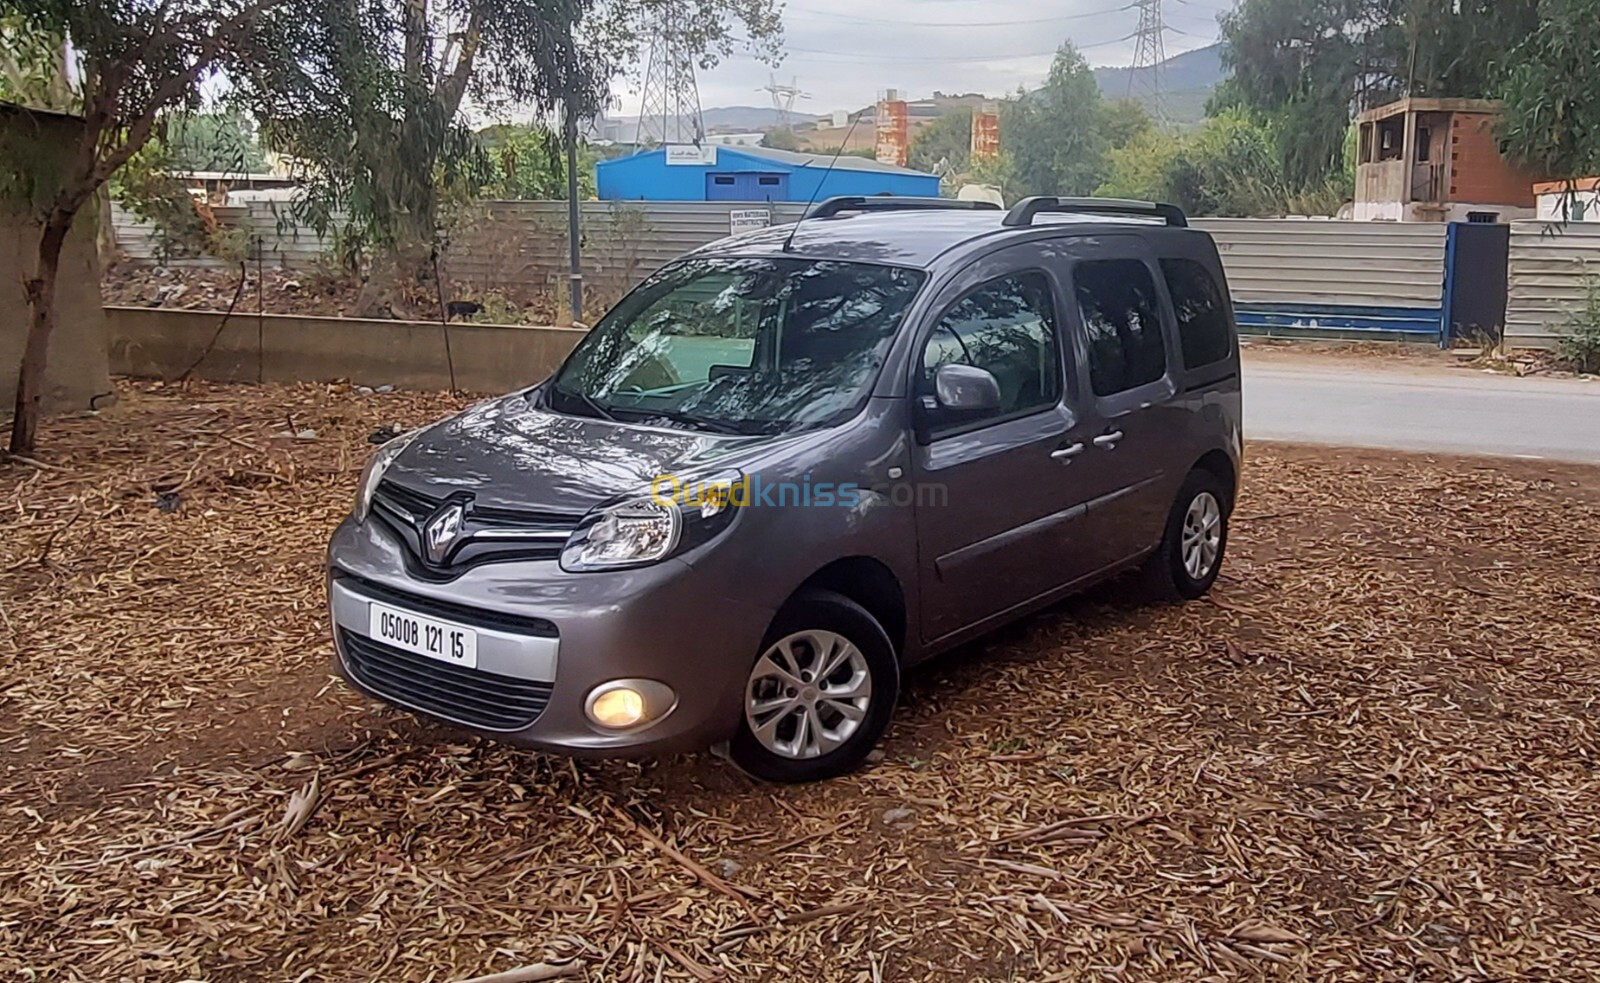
{"points": [[808, 694], [1202, 535]]}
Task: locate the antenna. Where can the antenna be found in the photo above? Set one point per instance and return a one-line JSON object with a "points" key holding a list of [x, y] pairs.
{"points": [[789, 241]]}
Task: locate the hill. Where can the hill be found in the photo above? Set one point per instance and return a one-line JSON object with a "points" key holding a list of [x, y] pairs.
{"points": [[1188, 78]]}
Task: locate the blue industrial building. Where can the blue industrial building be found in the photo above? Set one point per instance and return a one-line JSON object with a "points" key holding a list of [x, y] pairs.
{"points": [[720, 173]]}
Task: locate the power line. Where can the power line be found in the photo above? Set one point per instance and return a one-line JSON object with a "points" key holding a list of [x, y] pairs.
{"points": [[877, 56], [963, 24]]}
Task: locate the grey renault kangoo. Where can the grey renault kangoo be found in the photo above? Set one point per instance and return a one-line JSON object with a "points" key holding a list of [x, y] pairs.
{"points": [[795, 462]]}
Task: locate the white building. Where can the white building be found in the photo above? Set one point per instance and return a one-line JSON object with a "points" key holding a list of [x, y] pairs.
{"points": [[1577, 201]]}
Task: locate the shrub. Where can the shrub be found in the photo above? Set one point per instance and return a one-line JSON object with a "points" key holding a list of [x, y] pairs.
{"points": [[1579, 343]]}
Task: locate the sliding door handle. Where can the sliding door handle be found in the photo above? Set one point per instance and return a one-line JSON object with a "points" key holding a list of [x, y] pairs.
{"points": [[1109, 441]]}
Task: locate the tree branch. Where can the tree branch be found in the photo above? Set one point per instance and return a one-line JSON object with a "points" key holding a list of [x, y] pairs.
{"points": [[454, 85]]}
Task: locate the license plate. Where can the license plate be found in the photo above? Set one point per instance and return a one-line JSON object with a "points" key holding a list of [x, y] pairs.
{"points": [[455, 644]]}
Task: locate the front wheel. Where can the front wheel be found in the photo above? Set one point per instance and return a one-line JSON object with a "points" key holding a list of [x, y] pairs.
{"points": [[820, 694], [1189, 558]]}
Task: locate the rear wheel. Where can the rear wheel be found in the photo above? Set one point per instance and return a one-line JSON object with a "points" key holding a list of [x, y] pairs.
{"points": [[820, 694], [1190, 556]]}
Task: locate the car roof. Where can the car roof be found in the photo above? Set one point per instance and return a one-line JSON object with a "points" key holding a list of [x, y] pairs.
{"points": [[914, 238]]}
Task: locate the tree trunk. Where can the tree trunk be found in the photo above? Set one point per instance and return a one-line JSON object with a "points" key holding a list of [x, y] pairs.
{"points": [[400, 282], [41, 292]]}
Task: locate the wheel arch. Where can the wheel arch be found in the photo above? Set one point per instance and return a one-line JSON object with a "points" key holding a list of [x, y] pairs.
{"points": [[870, 583], [1219, 463]]}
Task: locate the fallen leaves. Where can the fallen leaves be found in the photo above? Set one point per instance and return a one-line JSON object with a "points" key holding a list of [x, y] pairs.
{"points": [[1346, 764]]}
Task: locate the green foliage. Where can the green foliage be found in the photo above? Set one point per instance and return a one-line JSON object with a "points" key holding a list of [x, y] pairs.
{"points": [[1053, 134], [370, 97], [33, 64], [1122, 121], [996, 172], [780, 139], [184, 225], [530, 163], [1579, 344], [1228, 167], [223, 141], [948, 138], [1552, 120], [1139, 169], [1304, 63]]}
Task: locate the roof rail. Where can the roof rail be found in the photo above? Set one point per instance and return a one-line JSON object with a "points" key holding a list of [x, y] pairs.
{"points": [[1024, 211], [891, 203]]}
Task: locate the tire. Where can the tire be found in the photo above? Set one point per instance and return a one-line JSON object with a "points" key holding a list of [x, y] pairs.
{"points": [[789, 729], [1171, 571]]}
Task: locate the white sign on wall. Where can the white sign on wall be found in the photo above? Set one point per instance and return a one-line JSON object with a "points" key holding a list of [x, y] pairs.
{"points": [[689, 155], [746, 219]]}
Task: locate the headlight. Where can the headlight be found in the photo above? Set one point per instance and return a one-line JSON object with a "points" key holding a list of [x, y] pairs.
{"points": [[651, 528], [373, 473], [631, 534]]}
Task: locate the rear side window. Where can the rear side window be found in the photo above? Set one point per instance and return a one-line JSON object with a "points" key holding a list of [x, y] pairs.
{"points": [[1203, 327], [1117, 298], [1007, 327]]}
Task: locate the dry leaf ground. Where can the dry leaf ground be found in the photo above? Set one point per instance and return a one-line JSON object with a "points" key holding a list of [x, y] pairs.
{"points": [[1372, 755]]}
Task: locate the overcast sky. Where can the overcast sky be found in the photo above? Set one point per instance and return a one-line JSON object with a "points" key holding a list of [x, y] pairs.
{"points": [[843, 52]]}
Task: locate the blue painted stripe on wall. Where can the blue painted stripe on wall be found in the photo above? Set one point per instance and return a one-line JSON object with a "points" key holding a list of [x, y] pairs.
{"points": [[1339, 317]]}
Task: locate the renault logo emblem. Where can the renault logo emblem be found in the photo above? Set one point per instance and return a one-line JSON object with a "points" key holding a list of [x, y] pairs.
{"points": [[443, 531]]}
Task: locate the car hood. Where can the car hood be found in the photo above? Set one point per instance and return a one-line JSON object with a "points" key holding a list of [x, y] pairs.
{"points": [[512, 454]]}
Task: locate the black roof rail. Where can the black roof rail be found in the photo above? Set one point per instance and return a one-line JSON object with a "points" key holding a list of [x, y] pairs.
{"points": [[891, 203], [1023, 212]]}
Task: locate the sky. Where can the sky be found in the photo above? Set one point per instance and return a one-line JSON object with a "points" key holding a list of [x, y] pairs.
{"points": [[844, 52]]}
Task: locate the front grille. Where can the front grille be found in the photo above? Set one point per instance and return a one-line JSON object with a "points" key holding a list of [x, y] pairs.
{"points": [[448, 611], [488, 535], [464, 696]]}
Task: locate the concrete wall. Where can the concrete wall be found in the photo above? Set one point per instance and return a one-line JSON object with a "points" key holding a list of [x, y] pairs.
{"points": [[1381, 187], [33, 146], [162, 344]]}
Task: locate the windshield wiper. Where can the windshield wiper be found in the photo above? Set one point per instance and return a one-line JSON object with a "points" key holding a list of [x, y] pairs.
{"points": [[595, 409], [702, 423]]}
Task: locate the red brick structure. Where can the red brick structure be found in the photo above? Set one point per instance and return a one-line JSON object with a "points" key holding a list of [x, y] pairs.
{"points": [[1437, 160]]}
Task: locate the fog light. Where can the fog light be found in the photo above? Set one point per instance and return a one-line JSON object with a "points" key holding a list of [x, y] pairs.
{"points": [[627, 704], [618, 708]]}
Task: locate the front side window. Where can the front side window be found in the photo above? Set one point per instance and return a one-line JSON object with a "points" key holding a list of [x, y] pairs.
{"points": [[1203, 328], [1008, 328], [1117, 298], [756, 346]]}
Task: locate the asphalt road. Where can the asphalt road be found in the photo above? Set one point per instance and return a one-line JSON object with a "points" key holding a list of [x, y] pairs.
{"points": [[1366, 402]]}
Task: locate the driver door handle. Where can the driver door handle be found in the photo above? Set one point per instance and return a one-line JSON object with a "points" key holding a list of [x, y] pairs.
{"points": [[1066, 454], [1109, 441]]}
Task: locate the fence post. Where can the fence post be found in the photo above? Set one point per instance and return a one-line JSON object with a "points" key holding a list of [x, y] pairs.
{"points": [[574, 254]]}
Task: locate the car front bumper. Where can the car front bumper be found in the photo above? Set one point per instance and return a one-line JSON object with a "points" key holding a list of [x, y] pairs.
{"points": [[546, 639]]}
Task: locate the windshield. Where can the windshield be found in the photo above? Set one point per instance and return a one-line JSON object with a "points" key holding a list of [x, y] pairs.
{"points": [[754, 346]]}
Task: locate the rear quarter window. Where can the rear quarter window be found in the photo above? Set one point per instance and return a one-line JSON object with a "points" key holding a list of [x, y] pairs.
{"points": [[1204, 332]]}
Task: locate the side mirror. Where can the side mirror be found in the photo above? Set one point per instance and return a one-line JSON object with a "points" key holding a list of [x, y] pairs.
{"points": [[962, 390]]}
